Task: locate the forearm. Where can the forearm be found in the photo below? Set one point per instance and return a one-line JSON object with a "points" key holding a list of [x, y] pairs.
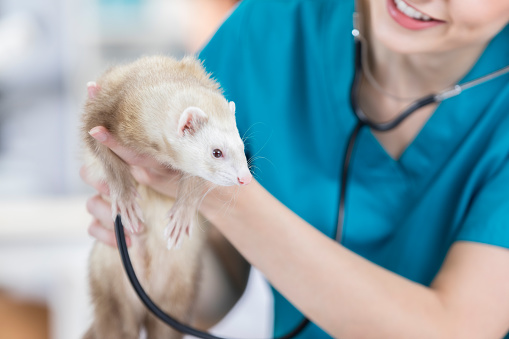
{"points": [[346, 295]]}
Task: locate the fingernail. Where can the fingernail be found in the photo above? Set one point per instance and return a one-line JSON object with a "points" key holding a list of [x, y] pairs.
{"points": [[98, 134], [128, 241]]}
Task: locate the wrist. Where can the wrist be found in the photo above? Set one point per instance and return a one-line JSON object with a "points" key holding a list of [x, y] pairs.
{"points": [[229, 205]]}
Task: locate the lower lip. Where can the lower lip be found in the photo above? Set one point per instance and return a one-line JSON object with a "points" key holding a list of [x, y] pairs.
{"points": [[408, 22]]}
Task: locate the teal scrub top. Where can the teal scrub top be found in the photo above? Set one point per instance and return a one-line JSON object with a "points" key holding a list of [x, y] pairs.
{"points": [[288, 65]]}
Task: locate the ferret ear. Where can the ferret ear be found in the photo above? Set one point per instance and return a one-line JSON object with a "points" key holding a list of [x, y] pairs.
{"points": [[191, 120], [92, 89], [231, 104]]}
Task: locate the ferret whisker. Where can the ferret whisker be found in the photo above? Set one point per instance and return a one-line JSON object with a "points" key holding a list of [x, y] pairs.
{"points": [[175, 179], [248, 138], [244, 135], [180, 179], [227, 205], [254, 158], [253, 168], [196, 190], [256, 174], [265, 144], [184, 196], [250, 166], [236, 194], [200, 223], [211, 187], [223, 208], [255, 171], [230, 202], [267, 159]]}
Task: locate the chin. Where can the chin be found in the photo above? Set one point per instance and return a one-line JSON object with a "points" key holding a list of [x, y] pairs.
{"points": [[402, 42]]}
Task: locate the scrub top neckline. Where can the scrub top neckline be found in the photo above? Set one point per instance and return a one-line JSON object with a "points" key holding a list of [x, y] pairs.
{"points": [[448, 124]]}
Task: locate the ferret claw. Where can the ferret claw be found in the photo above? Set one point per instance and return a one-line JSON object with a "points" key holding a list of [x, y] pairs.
{"points": [[172, 233], [130, 213], [179, 223], [139, 212], [167, 231], [174, 241], [179, 243]]}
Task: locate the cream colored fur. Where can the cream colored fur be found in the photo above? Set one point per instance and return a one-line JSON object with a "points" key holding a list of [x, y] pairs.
{"points": [[142, 104], [169, 277]]}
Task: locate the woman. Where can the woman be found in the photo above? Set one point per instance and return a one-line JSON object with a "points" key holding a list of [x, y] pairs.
{"points": [[423, 249]]}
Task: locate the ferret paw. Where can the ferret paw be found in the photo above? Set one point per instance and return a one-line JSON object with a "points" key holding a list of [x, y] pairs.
{"points": [[181, 221], [130, 213]]}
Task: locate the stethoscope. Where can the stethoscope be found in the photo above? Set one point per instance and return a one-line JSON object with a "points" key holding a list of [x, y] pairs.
{"points": [[362, 120]]}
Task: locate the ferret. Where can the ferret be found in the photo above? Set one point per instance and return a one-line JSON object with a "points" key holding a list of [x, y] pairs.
{"points": [[176, 113]]}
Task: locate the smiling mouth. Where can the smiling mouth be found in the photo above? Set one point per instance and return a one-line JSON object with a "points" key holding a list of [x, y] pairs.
{"points": [[411, 12], [409, 17]]}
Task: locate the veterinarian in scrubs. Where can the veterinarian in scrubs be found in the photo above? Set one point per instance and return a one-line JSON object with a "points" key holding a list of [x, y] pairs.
{"points": [[424, 247]]}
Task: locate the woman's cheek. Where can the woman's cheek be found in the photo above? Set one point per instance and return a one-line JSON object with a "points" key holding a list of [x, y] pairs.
{"points": [[480, 20]]}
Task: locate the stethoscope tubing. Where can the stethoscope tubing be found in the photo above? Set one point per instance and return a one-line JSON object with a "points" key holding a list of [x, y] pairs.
{"points": [[415, 105], [156, 310]]}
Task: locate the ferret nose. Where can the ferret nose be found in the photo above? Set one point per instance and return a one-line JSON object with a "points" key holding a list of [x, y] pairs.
{"points": [[245, 179]]}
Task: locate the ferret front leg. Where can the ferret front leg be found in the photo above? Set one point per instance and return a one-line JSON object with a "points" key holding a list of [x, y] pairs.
{"points": [[122, 186], [183, 214]]}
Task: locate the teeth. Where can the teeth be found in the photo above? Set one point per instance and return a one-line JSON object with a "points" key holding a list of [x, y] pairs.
{"points": [[410, 11]]}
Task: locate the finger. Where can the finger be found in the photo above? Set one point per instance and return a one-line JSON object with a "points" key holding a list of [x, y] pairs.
{"points": [[97, 230], [102, 135], [100, 209], [165, 182], [100, 186], [92, 89]]}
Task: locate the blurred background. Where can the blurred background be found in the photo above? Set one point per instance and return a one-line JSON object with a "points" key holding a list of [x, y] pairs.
{"points": [[49, 50]]}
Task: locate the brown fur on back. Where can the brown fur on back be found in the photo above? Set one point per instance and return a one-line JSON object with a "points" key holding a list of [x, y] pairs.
{"points": [[118, 102]]}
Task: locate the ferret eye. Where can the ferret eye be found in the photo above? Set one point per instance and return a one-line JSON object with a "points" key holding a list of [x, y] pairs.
{"points": [[217, 153]]}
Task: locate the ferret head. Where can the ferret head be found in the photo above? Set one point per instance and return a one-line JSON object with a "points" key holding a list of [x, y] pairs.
{"points": [[213, 147]]}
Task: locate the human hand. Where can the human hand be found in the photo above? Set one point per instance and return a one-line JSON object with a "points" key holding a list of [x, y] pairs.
{"points": [[145, 170], [101, 226]]}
